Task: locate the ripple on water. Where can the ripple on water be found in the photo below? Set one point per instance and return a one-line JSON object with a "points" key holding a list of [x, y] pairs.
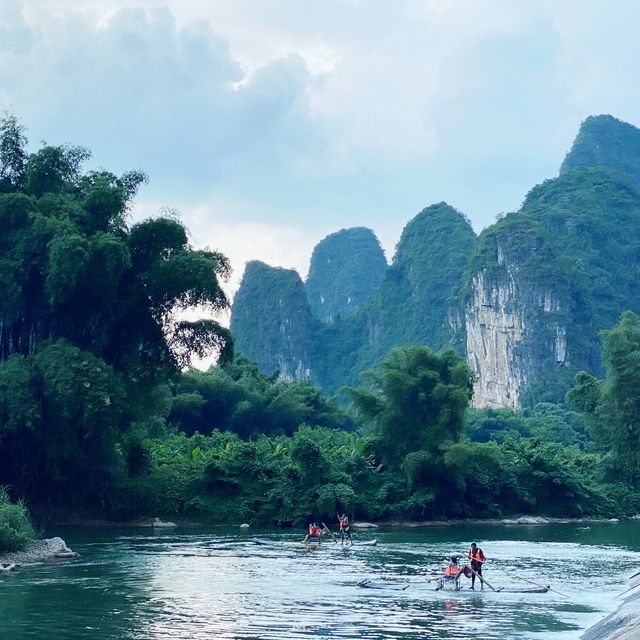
{"points": [[183, 586]]}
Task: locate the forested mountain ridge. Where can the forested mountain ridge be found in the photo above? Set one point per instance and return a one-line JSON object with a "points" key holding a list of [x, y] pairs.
{"points": [[526, 300], [413, 304]]}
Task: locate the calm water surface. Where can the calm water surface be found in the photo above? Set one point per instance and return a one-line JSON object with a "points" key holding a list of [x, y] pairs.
{"points": [[191, 584]]}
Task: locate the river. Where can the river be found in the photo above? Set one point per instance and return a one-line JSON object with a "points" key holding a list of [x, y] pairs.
{"points": [[192, 584]]}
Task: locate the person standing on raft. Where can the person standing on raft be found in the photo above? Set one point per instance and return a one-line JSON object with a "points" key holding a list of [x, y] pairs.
{"points": [[477, 557], [345, 529]]}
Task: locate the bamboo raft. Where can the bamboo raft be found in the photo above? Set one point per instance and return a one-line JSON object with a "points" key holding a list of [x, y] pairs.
{"points": [[401, 586]]}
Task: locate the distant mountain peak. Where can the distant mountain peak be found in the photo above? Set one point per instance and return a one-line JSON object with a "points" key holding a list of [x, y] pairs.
{"points": [[605, 141]]}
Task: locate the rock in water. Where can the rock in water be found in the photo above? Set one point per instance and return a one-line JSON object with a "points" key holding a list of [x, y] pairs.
{"points": [[157, 523]]}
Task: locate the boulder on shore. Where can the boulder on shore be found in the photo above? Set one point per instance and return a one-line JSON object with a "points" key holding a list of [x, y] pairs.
{"points": [[532, 520], [40, 551], [156, 523]]}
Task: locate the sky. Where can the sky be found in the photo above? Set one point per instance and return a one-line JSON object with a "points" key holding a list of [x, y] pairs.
{"points": [[269, 124]]}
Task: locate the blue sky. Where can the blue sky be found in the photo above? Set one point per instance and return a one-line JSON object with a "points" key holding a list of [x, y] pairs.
{"points": [[271, 123]]}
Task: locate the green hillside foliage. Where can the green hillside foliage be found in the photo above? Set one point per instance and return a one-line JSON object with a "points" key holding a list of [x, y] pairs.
{"points": [[271, 319], [345, 269], [607, 142], [430, 259], [413, 303], [592, 216]]}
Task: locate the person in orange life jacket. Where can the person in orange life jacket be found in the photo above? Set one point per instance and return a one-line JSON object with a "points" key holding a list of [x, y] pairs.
{"points": [[314, 532], [477, 557], [345, 530], [453, 570]]}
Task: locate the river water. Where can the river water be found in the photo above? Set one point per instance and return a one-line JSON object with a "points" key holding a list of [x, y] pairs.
{"points": [[191, 584]]}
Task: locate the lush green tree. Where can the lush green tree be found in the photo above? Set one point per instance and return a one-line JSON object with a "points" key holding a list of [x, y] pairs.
{"points": [[72, 268], [416, 401], [90, 324], [13, 155], [613, 405], [237, 397]]}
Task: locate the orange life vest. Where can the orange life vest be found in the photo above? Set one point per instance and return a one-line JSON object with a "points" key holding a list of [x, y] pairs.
{"points": [[452, 570], [476, 555], [314, 531], [344, 522]]}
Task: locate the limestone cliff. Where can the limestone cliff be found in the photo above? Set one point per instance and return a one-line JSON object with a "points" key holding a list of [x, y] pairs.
{"points": [[272, 323], [345, 269], [515, 327], [545, 281]]}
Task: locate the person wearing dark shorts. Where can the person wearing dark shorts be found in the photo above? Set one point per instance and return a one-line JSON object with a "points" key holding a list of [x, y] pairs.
{"points": [[477, 558]]}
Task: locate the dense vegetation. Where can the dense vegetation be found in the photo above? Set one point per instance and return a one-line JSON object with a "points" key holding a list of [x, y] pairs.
{"points": [[345, 269], [605, 141], [15, 527], [419, 453], [99, 415]]}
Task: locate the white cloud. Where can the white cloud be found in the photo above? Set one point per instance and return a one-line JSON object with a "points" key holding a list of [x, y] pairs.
{"points": [[292, 119]]}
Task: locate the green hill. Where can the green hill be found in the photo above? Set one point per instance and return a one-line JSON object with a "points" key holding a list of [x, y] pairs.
{"points": [[346, 267]]}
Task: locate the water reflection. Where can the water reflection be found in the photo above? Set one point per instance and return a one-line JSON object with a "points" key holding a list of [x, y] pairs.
{"points": [[136, 586]]}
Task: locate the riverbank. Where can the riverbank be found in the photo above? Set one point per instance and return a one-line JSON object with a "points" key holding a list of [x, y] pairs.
{"points": [[156, 522], [45, 550], [623, 623]]}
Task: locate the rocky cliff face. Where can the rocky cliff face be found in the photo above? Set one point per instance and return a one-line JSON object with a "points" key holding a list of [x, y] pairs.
{"points": [[346, 267], [514, 327], [545, 281], [272, 323]]}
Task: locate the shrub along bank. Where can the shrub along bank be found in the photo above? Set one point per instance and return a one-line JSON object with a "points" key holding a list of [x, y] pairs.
{"points": [[16, 530]]}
